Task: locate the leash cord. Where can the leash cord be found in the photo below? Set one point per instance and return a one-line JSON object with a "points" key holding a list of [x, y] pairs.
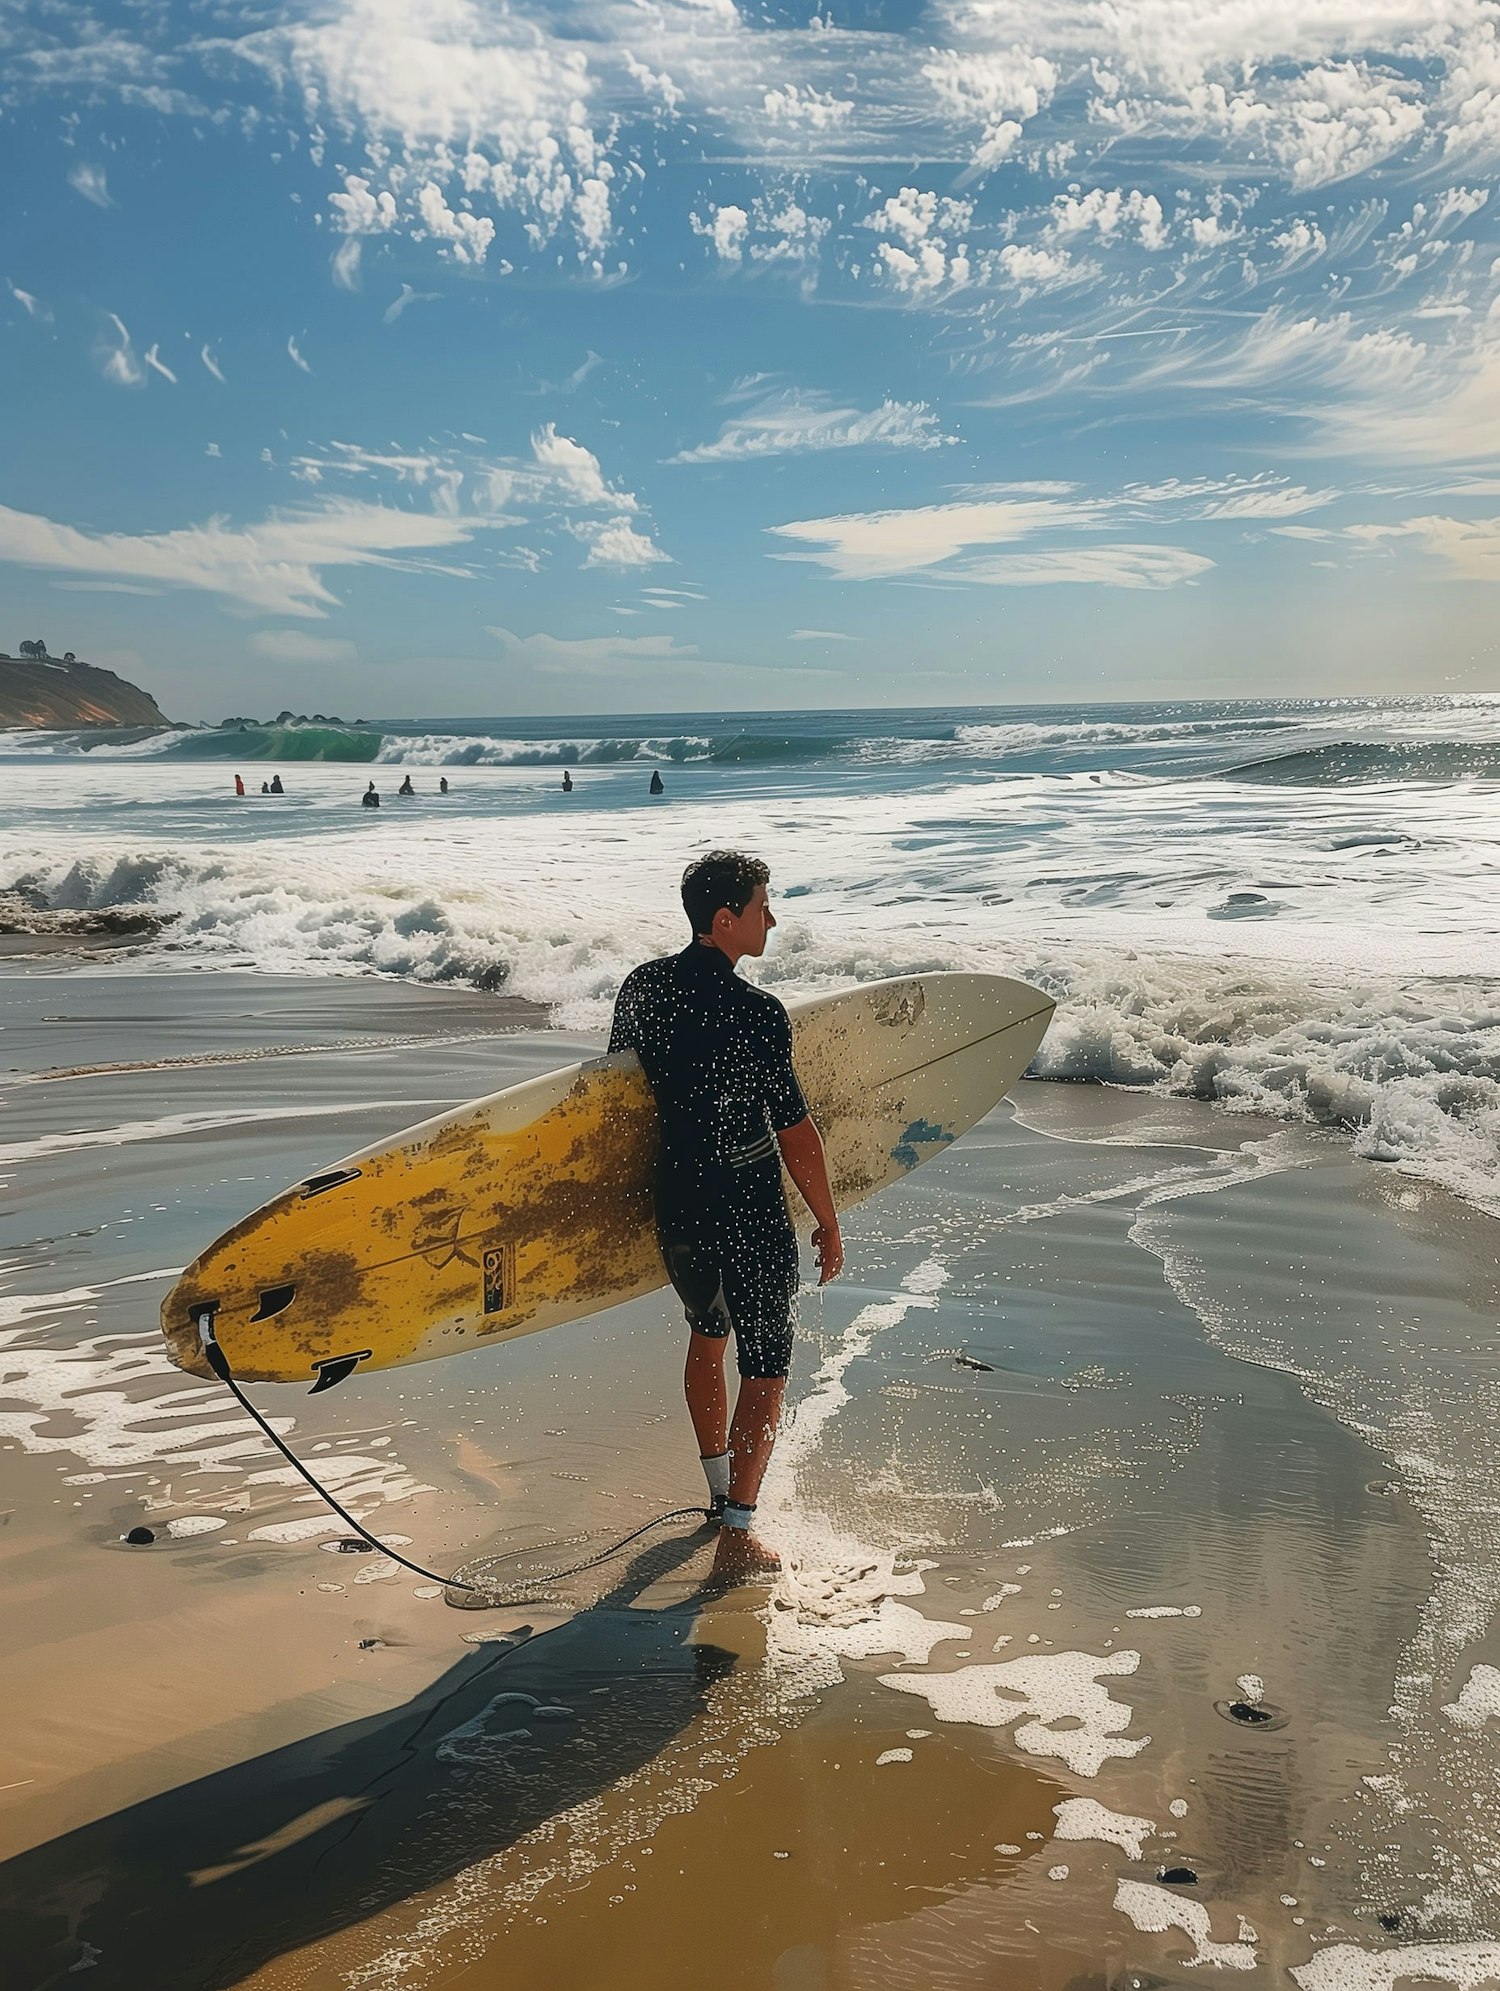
{"points": [[218, 1361]]}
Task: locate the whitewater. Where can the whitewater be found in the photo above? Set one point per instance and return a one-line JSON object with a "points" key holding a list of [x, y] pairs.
{"points": [[1288, 908]]}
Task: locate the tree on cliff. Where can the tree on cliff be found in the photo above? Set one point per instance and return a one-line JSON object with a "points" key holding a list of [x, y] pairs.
{"points": [[37, 649]]}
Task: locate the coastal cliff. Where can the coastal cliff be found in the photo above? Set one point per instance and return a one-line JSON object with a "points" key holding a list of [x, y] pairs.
{"points": [[43, 691]]}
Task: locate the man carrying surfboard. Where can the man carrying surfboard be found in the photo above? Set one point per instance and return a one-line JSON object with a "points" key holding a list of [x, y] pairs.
{"points": [[718, 1055]]}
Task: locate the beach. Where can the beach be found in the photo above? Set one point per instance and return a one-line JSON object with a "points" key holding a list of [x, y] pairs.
{"points": [[1128, 1412]]}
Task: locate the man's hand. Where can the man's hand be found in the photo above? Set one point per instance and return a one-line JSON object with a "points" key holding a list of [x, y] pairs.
{"points": [[829, 1246]]}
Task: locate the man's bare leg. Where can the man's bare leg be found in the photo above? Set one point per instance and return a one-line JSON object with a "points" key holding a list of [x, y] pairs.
{"points": [[707, 1400], [752, 1436], [708, 1406]]}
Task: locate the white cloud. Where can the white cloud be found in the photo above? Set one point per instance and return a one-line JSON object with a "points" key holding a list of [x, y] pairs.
{"points": [[940, 539], [275, 567], [158, 365], [726, 227], [32, 306], [1108, 213], [1031, 268], [1000, 90], [295, 356], [919, 262], [208, 359], [358, 211], [617, 544], [864, 546], [559, 484], [648, 666], [468, 235], [300, 646], [407, 296], [793, 421], [117, 357], [821, 636], [1469, 547], [344, 263], [1114, 566], [90, 181], [213, 449]]}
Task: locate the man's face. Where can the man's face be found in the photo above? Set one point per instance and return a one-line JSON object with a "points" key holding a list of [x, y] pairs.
{"points": [[747, 932]]}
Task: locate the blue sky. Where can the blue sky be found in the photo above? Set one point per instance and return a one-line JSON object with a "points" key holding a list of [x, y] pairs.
{"points": [[455, 358]]}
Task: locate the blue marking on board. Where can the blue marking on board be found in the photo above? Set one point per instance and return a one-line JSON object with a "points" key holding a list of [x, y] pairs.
{"points": [[921, 1133]]}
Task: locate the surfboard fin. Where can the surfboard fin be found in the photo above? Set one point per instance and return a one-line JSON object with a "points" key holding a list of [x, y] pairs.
{"points": [[335, 1369], [274, 1300]]}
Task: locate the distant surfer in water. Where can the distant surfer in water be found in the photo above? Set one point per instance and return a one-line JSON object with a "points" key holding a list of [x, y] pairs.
{"points": [[567, 782], [406, 787], [371, 797], [658, 786], [718, 1054], [276, 787]]}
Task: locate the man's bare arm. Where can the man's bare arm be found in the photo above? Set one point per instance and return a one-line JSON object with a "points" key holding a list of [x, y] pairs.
{"points": [[802, 1151]]}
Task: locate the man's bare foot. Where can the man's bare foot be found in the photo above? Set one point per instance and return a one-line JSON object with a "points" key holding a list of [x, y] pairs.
{"points": [[740, 1558]]}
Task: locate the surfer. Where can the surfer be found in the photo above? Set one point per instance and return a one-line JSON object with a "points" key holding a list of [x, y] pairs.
{"points": [[442, 784], [406, 787], [657, 786], [371, 798], [276, 787], [567, 782], [718, 1054]]}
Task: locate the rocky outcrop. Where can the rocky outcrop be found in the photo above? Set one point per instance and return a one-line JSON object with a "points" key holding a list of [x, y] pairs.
{"points": [[46, 691]]}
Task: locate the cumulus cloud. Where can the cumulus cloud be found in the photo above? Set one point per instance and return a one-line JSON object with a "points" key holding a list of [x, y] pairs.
{"points": [[275, 567], [617, 543], [918, 256], [726, 227], [793, 421]]}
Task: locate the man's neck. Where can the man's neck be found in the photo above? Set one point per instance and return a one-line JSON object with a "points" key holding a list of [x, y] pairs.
{"points": [[731, 955]]}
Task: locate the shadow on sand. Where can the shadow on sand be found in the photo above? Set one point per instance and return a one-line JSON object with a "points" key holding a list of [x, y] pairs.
{"points": [[206, 1883]]}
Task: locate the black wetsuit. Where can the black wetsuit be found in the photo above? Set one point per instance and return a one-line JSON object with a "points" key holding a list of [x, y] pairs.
{"points": [[718, 1054]]}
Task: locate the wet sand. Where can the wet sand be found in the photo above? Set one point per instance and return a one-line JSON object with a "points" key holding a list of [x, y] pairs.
{"points": [[1191, 1396]]}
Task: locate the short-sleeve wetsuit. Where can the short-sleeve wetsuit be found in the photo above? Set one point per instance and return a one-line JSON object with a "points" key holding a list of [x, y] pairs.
{"points": [[718, 1054]]}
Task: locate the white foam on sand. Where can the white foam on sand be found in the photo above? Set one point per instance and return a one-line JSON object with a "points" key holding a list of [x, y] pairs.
{"points": [[1154, 1911], [1345, 1967], [1040, 1692], [1167, 1611], [893, 1756], [117, 1404], [1478, 1699], [835, 1598], [195, 1524], [1086, 1818]]}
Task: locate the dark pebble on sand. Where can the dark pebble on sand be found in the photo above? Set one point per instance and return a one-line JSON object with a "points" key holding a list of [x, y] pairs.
{"points": [[141, 1537], [372, 1645], [1252, 1714], [1390, 1920], [347, 1545], [1177, 1877]]}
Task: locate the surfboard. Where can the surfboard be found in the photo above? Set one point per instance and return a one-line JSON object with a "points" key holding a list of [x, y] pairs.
{"points": [[533, 1206]]}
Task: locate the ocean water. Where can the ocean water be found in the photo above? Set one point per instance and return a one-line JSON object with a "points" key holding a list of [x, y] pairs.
{"points": [[1288, 909]]}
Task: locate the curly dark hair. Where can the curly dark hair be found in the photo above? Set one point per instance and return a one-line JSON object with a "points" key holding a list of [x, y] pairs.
{"points": [[721, 878]]}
